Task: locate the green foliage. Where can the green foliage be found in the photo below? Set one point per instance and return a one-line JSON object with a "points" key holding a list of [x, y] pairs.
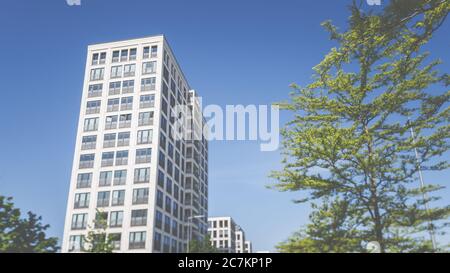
{"points": [[23, 235], [97, 240], [201, 246], [333, 228], [353, 122]]}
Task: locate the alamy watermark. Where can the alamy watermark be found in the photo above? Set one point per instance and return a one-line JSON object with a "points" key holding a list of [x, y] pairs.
{"points": [[232, 123], [73, 2], [373, 2]]}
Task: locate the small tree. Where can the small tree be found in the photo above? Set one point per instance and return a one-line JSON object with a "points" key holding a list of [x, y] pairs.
{"points": [[97, 239], [202, 246], [23, 235], [333, 228]]}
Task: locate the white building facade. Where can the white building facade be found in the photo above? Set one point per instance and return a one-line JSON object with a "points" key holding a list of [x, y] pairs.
{"points": [[222, 233], [248, 247], [129, 168], [240, 240], [226, 236]]}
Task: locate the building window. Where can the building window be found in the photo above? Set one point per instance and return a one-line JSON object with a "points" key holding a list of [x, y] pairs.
{"points": [[102, 58], [126, 103], [175, 209], [148, 68], [140, 196], [123, 139], [103, 199], [158, 219], [160, 178], [170, 150], [97, 74], [93, 107], [143, 155], [159, 199], [113, 105], [121, 158], [107, 159], [166, 244], [88, 142], [169, 167], [148, 84], [137, 240], [174, 228], [169, 185], [124, 55], [90, 124], [133, 54], [95, 90], [114, 88], [157, 241], [164, 106], [168, 204], [111, 122], [76, 243], [99, 58], [115, 56], [84, 180], [95, 58], [79, 221], [128, 87], [118, 198], [154, 52], [87, 161], [162, 160], [147, 101], [142, 175], [162, 141], [105, 179], [115, 239], [144, 136], [166, 223], [116, 219], [146, 52], [120, 177], [125, 121], [163, 124], [145, 118], [109, 140], [81, 200], [139, 217], [116, 71], [175, 191], [129, 70]]}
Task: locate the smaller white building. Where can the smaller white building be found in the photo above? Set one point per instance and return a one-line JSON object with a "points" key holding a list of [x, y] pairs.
{"points": [[240, 240], [248, 248], [227, 236]]}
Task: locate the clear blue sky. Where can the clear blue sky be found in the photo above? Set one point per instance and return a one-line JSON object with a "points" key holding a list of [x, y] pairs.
{"points": [[232, 52]]}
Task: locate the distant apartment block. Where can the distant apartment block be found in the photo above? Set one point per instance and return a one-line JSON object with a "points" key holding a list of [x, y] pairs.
{"points": [[248, 247], [240, 240], [227, 236], [128, 168]]}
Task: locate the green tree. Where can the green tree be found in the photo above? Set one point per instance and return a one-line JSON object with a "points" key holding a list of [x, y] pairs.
{"points": [[201, 246], [333, 228], [352, 123], [97, 239], [23, 234]]}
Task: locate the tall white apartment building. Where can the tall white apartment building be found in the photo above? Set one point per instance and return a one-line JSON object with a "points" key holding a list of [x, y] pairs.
{"points": [[129, 167]]}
